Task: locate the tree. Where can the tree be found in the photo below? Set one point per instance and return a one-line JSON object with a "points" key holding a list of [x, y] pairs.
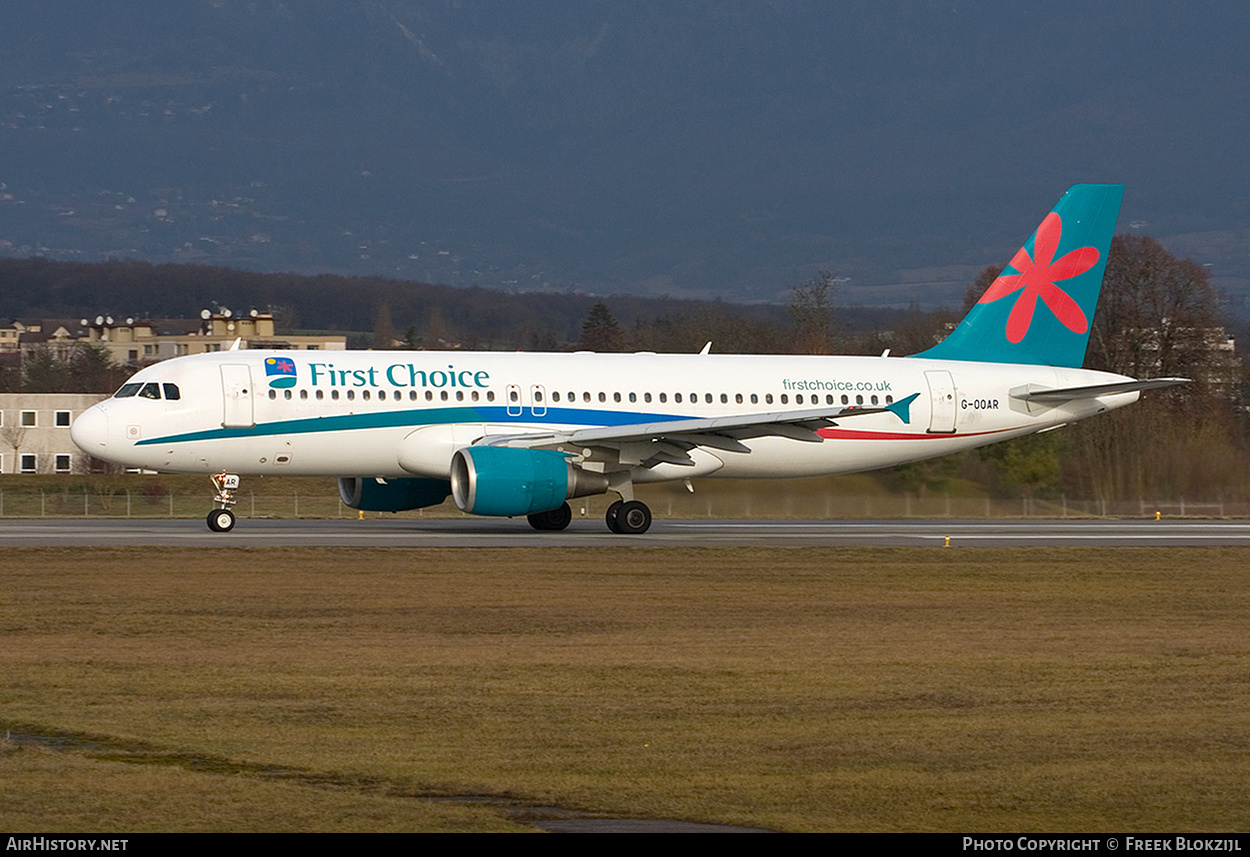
{"points": [[84, 368], [811, 307], [384, 336], [1158, 316], [600, 332], [978, 287], [1155, 315]]}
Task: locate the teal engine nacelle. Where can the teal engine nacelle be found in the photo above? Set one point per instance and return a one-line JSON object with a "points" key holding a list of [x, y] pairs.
{"points": [[391, 495], [491, 480]]}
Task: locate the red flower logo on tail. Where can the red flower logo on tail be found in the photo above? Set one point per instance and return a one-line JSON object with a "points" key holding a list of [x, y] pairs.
{"points": [[1037, 278]]}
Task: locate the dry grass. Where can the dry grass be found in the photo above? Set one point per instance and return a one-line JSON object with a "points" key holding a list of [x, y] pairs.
{"points": [[797, 689]]}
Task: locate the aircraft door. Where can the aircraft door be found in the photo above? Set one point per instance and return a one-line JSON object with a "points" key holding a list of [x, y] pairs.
{"points": [[514, 400], [942, 401], [538, 400], [236, 389]]}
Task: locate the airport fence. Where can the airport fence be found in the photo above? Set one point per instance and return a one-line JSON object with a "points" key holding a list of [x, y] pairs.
{"points": [[664, 501]]}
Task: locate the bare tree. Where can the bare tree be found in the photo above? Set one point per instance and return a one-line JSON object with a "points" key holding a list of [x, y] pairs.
{"points": [[811, 307]]}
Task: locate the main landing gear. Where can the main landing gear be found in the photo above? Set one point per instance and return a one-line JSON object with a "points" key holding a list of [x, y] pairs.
{"points": [[221, 519], [628, 517], [556, 519], [624, 517]]}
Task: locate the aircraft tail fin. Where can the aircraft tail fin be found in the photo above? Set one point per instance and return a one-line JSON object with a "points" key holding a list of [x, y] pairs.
{"points": [[1041, 307]]}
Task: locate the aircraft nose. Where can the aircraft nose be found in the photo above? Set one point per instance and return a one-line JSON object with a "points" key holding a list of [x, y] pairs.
{"points": [[91, 430]]}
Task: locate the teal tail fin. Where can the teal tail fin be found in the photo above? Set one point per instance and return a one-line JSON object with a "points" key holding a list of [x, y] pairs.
{"points": [[1041, 307]]}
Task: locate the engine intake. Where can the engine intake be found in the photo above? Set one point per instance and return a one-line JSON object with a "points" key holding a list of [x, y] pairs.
{"points": [[490, 480]]}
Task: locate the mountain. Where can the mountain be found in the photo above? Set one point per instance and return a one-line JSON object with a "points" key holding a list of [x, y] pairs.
{"points": [[697, 149]]}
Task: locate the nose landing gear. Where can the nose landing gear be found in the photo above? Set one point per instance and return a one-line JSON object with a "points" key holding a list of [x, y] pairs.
{"points": [[221, 519]]}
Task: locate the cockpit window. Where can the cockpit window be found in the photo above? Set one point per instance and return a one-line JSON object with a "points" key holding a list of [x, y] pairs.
{"points": [[171, 392], [127, 391], [151, 391]]}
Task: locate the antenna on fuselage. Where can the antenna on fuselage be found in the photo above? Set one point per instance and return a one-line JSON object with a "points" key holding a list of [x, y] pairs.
{"points": [[707, 348]]}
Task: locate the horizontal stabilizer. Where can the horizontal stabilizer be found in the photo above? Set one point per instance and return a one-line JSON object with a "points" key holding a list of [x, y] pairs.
{"points": [[1034, 393]]}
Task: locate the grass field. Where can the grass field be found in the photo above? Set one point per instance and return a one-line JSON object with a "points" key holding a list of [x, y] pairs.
{"points": [[794, 689]]}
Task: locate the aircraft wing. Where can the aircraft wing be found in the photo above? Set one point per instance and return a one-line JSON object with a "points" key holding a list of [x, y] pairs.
{"points": [[670, 441], [1035, 393]]}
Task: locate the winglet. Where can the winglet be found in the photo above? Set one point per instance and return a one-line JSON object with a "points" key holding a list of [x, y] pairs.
{"points": [[902, 408]]}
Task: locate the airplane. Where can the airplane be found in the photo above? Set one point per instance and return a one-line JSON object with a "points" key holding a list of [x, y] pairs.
{"points": [[512, 434]]}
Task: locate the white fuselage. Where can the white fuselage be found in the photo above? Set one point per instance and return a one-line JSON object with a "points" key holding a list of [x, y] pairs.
{"points": [[393, 414]]}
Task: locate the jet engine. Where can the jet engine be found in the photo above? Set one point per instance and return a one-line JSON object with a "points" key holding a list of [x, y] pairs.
{"points": [[490, 480], [391, 495]]}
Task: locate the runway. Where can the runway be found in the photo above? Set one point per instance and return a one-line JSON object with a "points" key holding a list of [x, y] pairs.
{"points": [[493, 533]]}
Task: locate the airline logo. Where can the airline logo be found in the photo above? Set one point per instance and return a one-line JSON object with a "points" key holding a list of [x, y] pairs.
{"points": [[1036, 279], [280, 371]]}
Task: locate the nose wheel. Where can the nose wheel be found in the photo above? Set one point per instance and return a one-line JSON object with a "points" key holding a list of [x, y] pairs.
{"points": [[221, 519]]}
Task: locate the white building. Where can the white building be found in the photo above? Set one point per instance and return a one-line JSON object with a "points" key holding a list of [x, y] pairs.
{"points": [[34, 432]]}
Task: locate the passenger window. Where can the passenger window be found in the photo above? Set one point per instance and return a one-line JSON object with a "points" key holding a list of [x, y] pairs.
{"points": [[724, 399], [677, 398], [303, 394], [663, 398], [603, 397], [150, 391], [273, 394], [798, 400], [646, 397], [768, 398], [364, 394], [286, 394], [785, 400], [616, 397], [632, 397], [351, 395], [127, 391], [321, 394], [755, 399], [738, 399], [334, 394], [490, 395], [475, 395], [460, 395], [443, 395], [429, 395], [171, 392]]}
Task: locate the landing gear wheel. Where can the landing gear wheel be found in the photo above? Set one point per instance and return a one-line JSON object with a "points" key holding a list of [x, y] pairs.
{"points": [[634, 518], [611, 517], [221, 520], [553, 520]]}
